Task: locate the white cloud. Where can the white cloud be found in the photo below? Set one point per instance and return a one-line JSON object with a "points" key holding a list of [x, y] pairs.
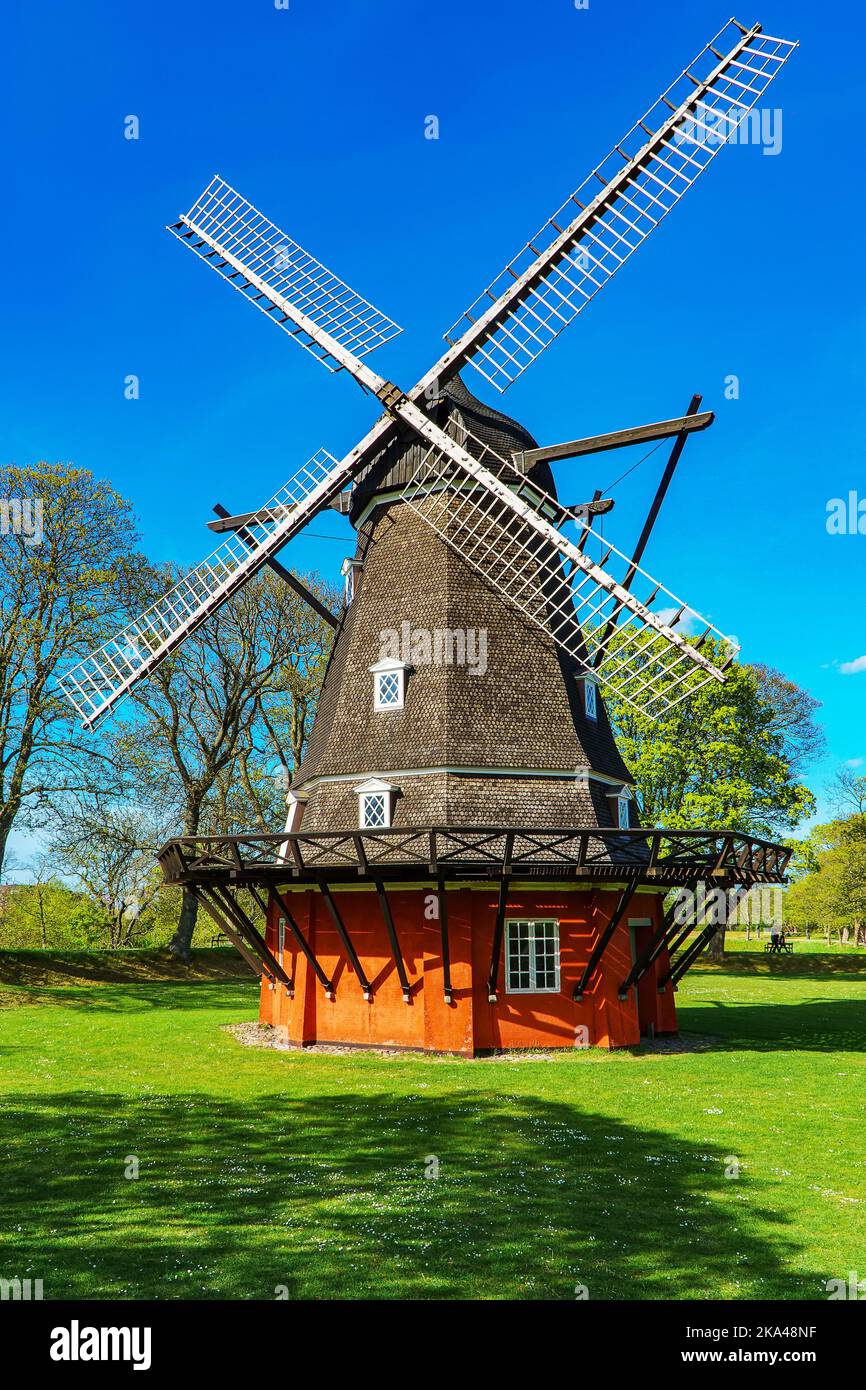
{"points": [[853, 668], [854, 762], [687, 624]]}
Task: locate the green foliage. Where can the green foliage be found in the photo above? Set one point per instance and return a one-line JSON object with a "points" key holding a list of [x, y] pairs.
{"points": [[53, 916], [722, 759], [63, 587], [38, 915], [829, 891]]}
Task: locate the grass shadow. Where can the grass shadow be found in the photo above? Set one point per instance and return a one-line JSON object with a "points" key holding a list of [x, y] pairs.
{"points": [[813, 1025], [327, 1195], [230, 997], [47, 969]]}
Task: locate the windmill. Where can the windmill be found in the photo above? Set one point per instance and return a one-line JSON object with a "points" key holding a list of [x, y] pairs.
{"points": [[480, 489]]}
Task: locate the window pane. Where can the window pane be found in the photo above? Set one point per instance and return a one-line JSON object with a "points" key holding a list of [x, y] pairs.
{"points": [[388, 687], [532, 955], [373, 811]]}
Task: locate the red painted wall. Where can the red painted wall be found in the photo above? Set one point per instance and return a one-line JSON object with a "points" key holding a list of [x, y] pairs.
{"points": [[470, 1023]]}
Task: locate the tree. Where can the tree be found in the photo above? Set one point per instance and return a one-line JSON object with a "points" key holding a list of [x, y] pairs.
{"points": [[829, 889], [110, 852], [37, 915], [46, 899], [66, 561], [725, 758], [849, 792], [217, 731], [803, 741]]}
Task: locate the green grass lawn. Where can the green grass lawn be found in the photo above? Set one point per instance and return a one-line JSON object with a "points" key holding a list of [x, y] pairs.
{"points": [[260, 1168]]}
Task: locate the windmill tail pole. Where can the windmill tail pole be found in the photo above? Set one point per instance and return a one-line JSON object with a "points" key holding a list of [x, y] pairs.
{"points": [[661, 493], [286, 575], [651, 518]]}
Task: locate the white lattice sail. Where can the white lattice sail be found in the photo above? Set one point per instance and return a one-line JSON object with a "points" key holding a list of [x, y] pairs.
{"points": [[577, 251], [279, 277], [605, 612], [97, 684]]}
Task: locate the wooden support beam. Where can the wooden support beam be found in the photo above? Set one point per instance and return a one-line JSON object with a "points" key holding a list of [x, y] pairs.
{"points": [[498, 931], [674, 945], [602, 943], [446, 949], [650, 954], [229, 522], [700, 928], [689, 956], [599, 506], [392, 937], [584, 536], [652, 515], [616, 439], [225, 925], [286, 575], [337, 920], [679, 968], [248, 931], [254, 893], [305, 947]]}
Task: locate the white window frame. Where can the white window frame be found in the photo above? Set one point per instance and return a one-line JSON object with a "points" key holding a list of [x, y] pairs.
{"points": [[590, 700], [623, 820], [363, 813], [380, 678], [533, 987], [348, 569], [296, 805], [375, 787], [388, 670]]}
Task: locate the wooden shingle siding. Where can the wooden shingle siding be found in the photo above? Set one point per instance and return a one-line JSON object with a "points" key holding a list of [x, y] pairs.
{"points": [[523, 713]]}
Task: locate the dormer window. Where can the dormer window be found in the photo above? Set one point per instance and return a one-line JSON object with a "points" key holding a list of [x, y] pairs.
{"points": [[389, 684], [350, 569], [619, 801], [375, 804], [590, 697]]}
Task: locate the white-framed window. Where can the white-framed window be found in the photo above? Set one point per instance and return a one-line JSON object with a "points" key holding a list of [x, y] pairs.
{"points": [[389, 684], [375, 802], [388, 690], [531, 955], [296, 805], [374, 811], [590, 699], [622, 817], [350, 570]]}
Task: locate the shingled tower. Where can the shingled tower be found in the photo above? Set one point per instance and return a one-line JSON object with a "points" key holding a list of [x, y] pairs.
{"points": [[489, 721]]}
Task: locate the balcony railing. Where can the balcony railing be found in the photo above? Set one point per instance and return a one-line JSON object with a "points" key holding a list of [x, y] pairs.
{"points": [[673, 857]]}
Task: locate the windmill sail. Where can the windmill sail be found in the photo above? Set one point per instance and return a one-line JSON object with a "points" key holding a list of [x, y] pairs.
{"points": [[278, 276], [97, 684], [556, 274], [542, 290], [588, 611]]}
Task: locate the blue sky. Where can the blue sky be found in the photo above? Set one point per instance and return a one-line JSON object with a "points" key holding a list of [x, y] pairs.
{"points": [[317, 114]]}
